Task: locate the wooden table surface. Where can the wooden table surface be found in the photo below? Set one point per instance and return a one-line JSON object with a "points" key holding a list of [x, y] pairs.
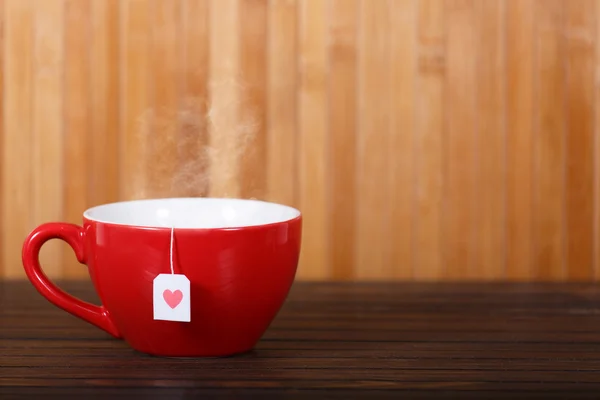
{"points": [[330, 341]]}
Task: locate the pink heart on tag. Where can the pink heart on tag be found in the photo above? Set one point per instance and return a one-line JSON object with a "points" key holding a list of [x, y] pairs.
{"points": [[172, 298]]}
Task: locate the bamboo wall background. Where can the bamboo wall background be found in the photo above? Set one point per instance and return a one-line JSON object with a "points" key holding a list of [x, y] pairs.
{"points": [[422, 139]]}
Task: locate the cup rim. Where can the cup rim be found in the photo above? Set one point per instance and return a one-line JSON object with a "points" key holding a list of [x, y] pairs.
{"points": [[297, 214]]}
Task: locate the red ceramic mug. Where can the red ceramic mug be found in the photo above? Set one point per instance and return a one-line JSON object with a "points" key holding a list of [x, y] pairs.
{"points": [[240, 257]]}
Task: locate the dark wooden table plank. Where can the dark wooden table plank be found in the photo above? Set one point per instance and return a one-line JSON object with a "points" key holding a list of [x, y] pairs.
{"points": [[331, 340]]}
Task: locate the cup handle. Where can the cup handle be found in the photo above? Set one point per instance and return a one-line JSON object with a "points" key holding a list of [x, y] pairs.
{"points": [[74, 235]]}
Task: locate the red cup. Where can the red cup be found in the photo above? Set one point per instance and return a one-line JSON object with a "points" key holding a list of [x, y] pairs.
{"points": [[240, 257]]}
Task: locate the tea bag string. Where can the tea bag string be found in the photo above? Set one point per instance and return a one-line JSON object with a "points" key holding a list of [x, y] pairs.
{"points": [[171, 251]]}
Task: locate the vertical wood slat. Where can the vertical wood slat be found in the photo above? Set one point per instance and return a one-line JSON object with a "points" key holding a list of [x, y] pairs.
{"points": [[282, 109], [17, 144], [253, 71], [227, 133], [597, 146], [343, 114], [492, 139], [520, 132], [429, 146], [3, 250], [401, 152], [461, 192], [105, 101], [549, 205], [192, 140], [373, 166], [361, 108], [579, 31], [313, 137], [162, 119], [134, 92], [77, 120], [47, 129]]}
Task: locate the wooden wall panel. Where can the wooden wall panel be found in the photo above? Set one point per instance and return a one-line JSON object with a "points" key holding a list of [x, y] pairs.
{"points": [[520, 133], [225, 128], [373, 161], [422, 139], [596, 150], [192, 138], [282, 102], [401, 151], [77, 95], [17, 144], [429, 263], [490, 260], [549, 140], [343, 117], [253, 71], [461, 192], [3, 140], [313, 141], [48, 125], [579, 30]]}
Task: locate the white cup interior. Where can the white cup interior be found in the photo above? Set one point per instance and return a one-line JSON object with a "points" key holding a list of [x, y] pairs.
{"points": [[192, 213]]}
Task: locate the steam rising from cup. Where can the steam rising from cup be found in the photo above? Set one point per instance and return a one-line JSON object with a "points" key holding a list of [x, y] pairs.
{"points": [[195, 148]]}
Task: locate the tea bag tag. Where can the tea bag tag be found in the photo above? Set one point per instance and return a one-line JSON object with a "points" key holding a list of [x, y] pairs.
{"points": [[171, 295]]}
